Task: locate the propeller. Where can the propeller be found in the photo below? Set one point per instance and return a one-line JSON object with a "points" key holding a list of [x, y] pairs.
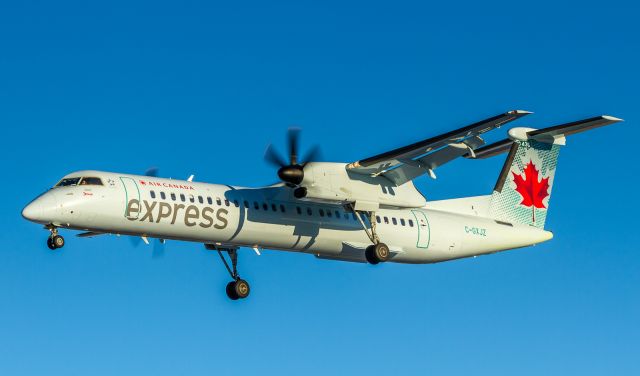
{"points": [[152, 171], [291, 171]]}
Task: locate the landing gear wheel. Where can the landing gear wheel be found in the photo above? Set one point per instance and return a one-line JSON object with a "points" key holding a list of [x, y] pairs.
{"points": [[238, 289], [371, 258], [242, 288], [377, 253], [57, 241], [231, 291]]}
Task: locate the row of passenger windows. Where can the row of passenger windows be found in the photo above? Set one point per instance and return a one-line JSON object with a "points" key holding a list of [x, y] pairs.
{"points": [[192, 198], [275, 208]]}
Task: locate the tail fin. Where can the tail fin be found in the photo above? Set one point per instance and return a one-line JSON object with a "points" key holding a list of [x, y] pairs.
{"points": [[523, 189]]}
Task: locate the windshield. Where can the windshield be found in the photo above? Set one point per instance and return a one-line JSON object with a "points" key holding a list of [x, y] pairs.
{"points": [[68, 182], [91, 181]]}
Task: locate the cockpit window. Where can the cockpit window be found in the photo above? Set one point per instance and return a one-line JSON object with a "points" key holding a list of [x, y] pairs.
{"points": [[68, 182], [91, 181]]}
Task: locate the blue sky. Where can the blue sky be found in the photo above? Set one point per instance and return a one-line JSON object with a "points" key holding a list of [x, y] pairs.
{"points": [[202, 87]]}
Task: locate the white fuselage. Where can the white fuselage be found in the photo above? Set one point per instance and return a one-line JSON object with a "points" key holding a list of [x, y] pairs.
{"points": [[270, 218]]}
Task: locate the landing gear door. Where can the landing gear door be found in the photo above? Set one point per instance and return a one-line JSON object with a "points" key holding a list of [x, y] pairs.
{"points": [[424, 230], [131, 198]]}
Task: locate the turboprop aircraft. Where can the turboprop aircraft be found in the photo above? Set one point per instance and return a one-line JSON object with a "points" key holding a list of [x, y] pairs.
{"points": [[364, 211]]}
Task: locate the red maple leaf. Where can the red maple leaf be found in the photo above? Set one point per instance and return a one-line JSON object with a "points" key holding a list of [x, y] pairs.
{"points": [[532, 189]]}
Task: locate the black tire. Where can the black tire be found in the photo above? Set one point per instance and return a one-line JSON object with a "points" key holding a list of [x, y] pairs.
{"points": [[381, 252], [242, 288], [370, 255], [50, 244], [231, 291], [58, 241]]}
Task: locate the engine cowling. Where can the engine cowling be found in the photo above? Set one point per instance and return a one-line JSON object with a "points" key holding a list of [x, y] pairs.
{"points": [[331, 182]]}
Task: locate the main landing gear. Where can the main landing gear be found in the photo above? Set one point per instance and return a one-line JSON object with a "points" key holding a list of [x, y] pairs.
{"points": [[55, 241], [238, 288], [377, 252]]}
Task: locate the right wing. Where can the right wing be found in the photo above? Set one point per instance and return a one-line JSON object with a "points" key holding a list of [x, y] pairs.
{"points": [[408, 162]]}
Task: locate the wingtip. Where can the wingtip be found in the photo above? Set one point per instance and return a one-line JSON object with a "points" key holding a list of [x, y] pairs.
{"points": [[520, 112], [612, 118]]}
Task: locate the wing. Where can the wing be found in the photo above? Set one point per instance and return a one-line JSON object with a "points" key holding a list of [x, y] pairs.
{"points": [[408, 162]]}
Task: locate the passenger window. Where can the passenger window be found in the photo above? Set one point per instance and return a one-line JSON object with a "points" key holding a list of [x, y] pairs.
{"points": [[91, 181], [226, 202], [354, 216], [402, 221], [256, 205], [386, 220], [309, 211], [209, 201], [329, 214], [265, 206], [192, 198], [321, 212], [337, 214], [152, 194], [282, 208], [274, 207], [218, 201], [200, 200], [394, 221], [378, 218], [246, 204], [182, 198], [162, 195], [235, 203], [173, 196], [411, 223], [298, 210]]}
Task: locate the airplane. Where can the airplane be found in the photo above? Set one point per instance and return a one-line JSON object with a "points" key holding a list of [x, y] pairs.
{"points": [[366, 211]]}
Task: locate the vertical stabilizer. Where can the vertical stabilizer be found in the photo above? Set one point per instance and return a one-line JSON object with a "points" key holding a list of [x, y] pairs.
{"points": [[523, 190]]}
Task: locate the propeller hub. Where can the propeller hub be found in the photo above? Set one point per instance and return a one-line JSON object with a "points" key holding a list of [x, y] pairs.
{"points": [[293, 174]]}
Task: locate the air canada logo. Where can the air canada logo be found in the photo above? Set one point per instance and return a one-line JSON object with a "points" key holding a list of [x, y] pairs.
{"points": [[167, 185], [532, 188]]}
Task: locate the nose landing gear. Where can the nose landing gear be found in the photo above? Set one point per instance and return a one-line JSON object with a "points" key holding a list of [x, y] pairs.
{"points": [[55, 241]]}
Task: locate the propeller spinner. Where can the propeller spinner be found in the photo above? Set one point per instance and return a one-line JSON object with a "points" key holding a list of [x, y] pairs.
{"points": [[292, 172]]}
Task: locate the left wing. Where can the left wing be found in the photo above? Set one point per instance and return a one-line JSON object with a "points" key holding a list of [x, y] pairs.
{"points": [[408, 162]]}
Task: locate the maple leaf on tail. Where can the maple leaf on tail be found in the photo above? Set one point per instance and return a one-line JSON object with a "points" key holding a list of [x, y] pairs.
{"points": [[532, 190]]}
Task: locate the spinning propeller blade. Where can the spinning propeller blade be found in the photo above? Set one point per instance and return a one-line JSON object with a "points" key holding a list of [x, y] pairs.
{"points": [[292, 172]]}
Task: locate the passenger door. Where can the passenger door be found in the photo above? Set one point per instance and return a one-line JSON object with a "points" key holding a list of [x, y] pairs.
{"points": [[131, 192], [424, 230]]}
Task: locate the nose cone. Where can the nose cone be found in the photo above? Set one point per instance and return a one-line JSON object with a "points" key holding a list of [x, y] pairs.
{"points": [[40, 210]]}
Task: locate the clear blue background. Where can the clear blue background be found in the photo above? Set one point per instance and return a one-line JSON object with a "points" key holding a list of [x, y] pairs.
{"points": [[202, 88]]}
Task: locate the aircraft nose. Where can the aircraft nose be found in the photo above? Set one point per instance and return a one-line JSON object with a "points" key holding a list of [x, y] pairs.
{"points": [[40, 209]]}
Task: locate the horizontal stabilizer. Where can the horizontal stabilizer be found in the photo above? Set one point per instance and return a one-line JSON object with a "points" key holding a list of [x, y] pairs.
{"points": [[567, 129], [576, 126]]}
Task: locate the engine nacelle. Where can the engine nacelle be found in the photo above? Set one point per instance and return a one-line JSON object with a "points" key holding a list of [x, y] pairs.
{"points": [[331, 182]]}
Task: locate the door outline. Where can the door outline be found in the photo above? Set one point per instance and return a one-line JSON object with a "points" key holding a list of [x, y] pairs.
{"points": [[424, 229], [134, 194]]}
